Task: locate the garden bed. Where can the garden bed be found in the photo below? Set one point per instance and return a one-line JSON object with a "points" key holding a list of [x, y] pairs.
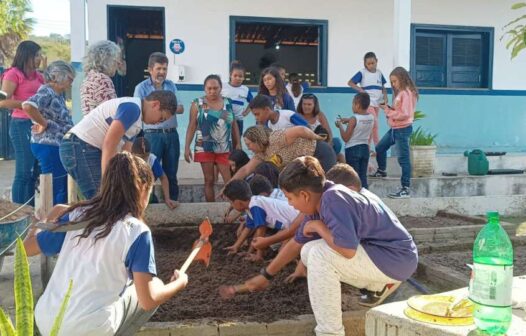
{"points": [[442, 219], [200, 299]]}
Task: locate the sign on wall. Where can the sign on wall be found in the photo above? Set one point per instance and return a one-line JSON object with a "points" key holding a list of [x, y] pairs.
{"points": [[177, 46]]}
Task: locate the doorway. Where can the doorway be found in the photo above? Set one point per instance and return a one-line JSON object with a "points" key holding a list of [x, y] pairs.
{"points": [[139, 31]]}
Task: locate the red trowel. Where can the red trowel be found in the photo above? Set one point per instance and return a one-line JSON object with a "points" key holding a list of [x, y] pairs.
{"points": [[202, 249]]}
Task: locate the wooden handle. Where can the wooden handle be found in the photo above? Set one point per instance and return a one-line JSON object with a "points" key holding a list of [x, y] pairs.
{"points": [[191, 257]]}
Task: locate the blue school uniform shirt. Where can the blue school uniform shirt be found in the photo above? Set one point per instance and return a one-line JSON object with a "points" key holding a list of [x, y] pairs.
{"points": [[363, 219], [270, 212], [287, 119], [372, 83], [146, 87], [288, 103], [100, 270], [240, 96], [155, 164], [53, 108]]}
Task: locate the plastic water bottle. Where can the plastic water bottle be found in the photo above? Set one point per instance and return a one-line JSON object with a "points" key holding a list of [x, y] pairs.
{"points": [[491, 279]]}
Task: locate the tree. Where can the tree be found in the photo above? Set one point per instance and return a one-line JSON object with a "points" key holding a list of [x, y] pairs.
{"points": [[14, 25], [517, 32]]}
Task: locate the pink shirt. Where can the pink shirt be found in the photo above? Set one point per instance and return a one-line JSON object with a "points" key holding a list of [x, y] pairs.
{"points": [[403, 111], [25, 87]]}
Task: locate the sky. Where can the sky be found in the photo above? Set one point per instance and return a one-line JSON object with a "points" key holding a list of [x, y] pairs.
{"points": [[51, 16]]}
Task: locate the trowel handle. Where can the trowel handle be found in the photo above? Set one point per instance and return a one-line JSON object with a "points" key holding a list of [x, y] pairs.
{"points": [[191, 257]]}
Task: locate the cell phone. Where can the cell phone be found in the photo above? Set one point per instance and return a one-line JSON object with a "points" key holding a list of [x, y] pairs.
{"points": [[3, 95]]}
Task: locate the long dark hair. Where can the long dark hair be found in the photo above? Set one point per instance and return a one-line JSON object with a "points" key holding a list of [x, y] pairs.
{"points": [[125, 179], [239, 157], [25, 57], [311, 96], [280, 84]]}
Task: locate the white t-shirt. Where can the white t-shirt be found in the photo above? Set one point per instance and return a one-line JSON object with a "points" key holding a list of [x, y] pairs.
{"points": [[100, 271], [93, 127], [278, 194], [362, 130], [287, 118], [372, 83], [240, 97], [296, 99], [270, 212]]}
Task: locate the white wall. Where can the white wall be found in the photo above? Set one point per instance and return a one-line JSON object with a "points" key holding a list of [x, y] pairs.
{"points": [[355, 27], [507, 74]]}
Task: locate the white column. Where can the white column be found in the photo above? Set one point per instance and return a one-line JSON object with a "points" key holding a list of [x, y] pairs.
{"points": [[402, 33], [77, 10]]}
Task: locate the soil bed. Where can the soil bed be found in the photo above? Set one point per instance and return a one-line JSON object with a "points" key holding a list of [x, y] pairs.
{"points": [[434, 222], [7, 207], [200, 299], [457, 260]]}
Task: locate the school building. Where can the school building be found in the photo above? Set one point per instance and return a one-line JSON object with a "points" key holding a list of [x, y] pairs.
{"points": [[474, 95]]}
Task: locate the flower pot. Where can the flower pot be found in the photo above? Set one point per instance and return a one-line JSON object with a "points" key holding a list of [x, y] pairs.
{"points": [[423, 160]]}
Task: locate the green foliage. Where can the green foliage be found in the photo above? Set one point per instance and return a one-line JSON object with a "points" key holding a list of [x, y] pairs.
{"points": [[14, 25], [516, 32], [421, 137], [24, 300], [54, 46]]}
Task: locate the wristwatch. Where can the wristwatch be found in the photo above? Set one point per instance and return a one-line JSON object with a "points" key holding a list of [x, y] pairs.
{"points": [[264, 273]]}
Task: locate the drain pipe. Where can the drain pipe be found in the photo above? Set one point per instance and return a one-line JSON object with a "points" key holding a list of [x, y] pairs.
{"points": [[418, 286]]}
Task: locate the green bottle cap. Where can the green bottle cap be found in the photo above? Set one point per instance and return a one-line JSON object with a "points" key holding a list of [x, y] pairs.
{"points": [[492, 215]]}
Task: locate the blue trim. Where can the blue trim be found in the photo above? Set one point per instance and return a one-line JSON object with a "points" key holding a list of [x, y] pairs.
{"points": [[429, 91], [487, 35], [323, 37]]}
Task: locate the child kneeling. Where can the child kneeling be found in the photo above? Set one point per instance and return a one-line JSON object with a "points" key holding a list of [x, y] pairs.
{"points": [[262, 213]]}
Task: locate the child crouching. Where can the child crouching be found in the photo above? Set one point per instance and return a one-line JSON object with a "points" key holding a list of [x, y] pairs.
{"points": [[262, 213]]}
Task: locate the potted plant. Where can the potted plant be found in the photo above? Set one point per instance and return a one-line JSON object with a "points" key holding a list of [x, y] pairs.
{"points": [[423, 150]]}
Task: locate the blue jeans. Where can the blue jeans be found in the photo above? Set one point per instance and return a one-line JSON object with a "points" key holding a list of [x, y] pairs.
{"points": [[26, 165], [166, 147], [49, 160], [337, 145], [82, 161], [358, 158], [400, 137]]}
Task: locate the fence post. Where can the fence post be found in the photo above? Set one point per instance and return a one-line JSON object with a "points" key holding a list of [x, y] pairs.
{"points": [[73, 191], [44, 196]]}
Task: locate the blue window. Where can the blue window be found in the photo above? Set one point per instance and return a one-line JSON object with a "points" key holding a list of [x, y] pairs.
{"points": [[451, 56], [297, 44]]}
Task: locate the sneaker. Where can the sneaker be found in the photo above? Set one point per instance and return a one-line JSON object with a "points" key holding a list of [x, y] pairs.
{"points": [[379, 173], [373, 299], [403, 193]]}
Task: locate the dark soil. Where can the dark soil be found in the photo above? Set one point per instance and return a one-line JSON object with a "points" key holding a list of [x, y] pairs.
{"points": [[7, 207], [435, 222], [457, 260], [200, 299]]}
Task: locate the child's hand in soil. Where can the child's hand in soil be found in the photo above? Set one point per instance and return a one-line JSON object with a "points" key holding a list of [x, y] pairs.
{"points": [[260, 243], [299, 272], [253, 257], [232, 249], [257, 283]]}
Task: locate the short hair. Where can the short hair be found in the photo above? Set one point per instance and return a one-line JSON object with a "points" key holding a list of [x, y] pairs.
{"points": [[236, 65], [166, 98], [343, 173], [141, 146], [157, 57], [363, 100], [259, 184], [302, 173], [261, 101], [213, 77], [368, 55], [102, 56], [237, 190], [59, 72], [270, 171]]}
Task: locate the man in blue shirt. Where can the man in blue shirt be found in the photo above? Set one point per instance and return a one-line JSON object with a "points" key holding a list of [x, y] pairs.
{"points": [[163, 137]]}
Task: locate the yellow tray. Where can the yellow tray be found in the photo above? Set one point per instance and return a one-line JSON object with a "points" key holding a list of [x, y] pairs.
{"points": [[437, 305], [444, 321]]}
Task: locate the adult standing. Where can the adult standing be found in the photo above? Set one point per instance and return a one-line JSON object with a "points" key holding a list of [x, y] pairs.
{"points": [[20, 82], [100, 64], [212, 121], [163, 137], [47, 108], [88, 147]]}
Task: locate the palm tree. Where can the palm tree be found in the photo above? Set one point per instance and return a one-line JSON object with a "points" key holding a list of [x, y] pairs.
{"points": [[14, 26]]}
